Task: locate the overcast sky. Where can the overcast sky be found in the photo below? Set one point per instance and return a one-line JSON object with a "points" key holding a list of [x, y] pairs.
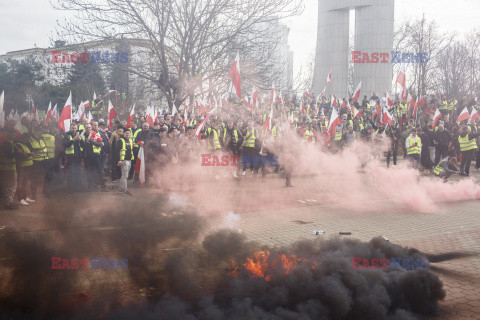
{"points": [[24, 23]]}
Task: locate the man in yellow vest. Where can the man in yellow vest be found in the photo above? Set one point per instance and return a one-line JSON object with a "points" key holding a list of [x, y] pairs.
{"points": [[73, 144], [125, 147], [446, 167], [413, 145], [93, 146], [8, 173], [468, 146], [249, 152], [49, 162], [24, 162], [39, 152]]}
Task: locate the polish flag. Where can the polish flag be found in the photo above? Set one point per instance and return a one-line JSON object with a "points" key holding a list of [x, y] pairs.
{"points": [[343, 104], [80, 111], [308, 94], [174, 110], [333, 101], [356, 94], [94, 96], [422, 102], [475, 114], [2, 112], [273, 94], [90, 118], [55, 111], [66, 116], [235, 76], [254, 96], [387, 117], [150, 115], [463, 116], [329, 77], [32, 111], [202, 124], [130, 117], [111, 114], [389, 100], [140, 166], [401, 78], [334, 122], [49, 113], [290, 118], [436, 117], [356, 113], [267, 126], [280, 98], [185, 115], [323, 91], [378, 112], [415, 107], [404, 94]]}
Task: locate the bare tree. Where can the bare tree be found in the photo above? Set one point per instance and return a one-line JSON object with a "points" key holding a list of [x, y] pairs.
{"points": [[187, 42]]}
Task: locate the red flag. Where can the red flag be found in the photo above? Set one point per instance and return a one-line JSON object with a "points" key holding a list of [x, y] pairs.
{"points": [[49, 113], [378, 112], [356, 94], [130, 117], [389, 101], [436, 117], [329, 77], [111, 114], [273, 94], [415, 107], [308, 94], [66, 116], [422, 102], [235, 76], [333, 101], [202, 124], [254, 96], [463, 116], [343, 104], [334, 122], [140, 166]]}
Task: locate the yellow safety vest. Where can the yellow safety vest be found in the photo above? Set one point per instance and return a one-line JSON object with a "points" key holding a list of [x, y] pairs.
{"points": [[215, 140], [7, 164], [307, 134], [124, 149], [41, 149], [414, 149], [338, 135], [71, 149], [439, 169], [467, 144], [50, 145], [251, 139], [28, 160]]}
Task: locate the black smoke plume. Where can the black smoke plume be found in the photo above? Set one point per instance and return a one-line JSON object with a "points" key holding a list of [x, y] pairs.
{"points": [[178, 268]]}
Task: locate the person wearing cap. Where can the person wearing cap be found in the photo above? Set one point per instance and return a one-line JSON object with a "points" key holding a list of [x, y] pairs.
{"points": [[125, 157], [101, 128], [93, 148], [73, 144], [39, 152], [468, 146], [413, 144], [446, 168]]}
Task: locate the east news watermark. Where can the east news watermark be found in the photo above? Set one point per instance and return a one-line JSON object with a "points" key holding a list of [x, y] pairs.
{"points": [[92, 57], [393, 263], [385, 57], [59, 263], [211, 160]]}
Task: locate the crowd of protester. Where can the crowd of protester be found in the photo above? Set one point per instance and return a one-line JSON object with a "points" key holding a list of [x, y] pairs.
{"points": [[41, 159]]}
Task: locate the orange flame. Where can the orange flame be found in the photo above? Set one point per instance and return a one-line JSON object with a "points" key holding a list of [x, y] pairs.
{"points": [[261, 264]]}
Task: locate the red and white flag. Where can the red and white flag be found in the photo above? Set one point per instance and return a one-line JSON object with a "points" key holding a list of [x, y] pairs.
{"points": [[474, 115], [329, 77], [130, 118], [150, 116], [66, 116], [80, 111], [387, 117], [389, 100], [185, 115], [267, 126], [308, 94], [174, 110], [49, 114], [465, 115], [415, 107], [55, 111], [234, 74], [140, 166], [335, 120], [356, 94], [333, 101], [273, 93], [94, 96], [401, 78], [202, 124], [111, 114], [254, 96], [356, 113], [90, 118], [436, 117]]}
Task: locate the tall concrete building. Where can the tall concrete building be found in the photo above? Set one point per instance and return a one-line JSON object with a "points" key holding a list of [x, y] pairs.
{"points": [[373, 34]]}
